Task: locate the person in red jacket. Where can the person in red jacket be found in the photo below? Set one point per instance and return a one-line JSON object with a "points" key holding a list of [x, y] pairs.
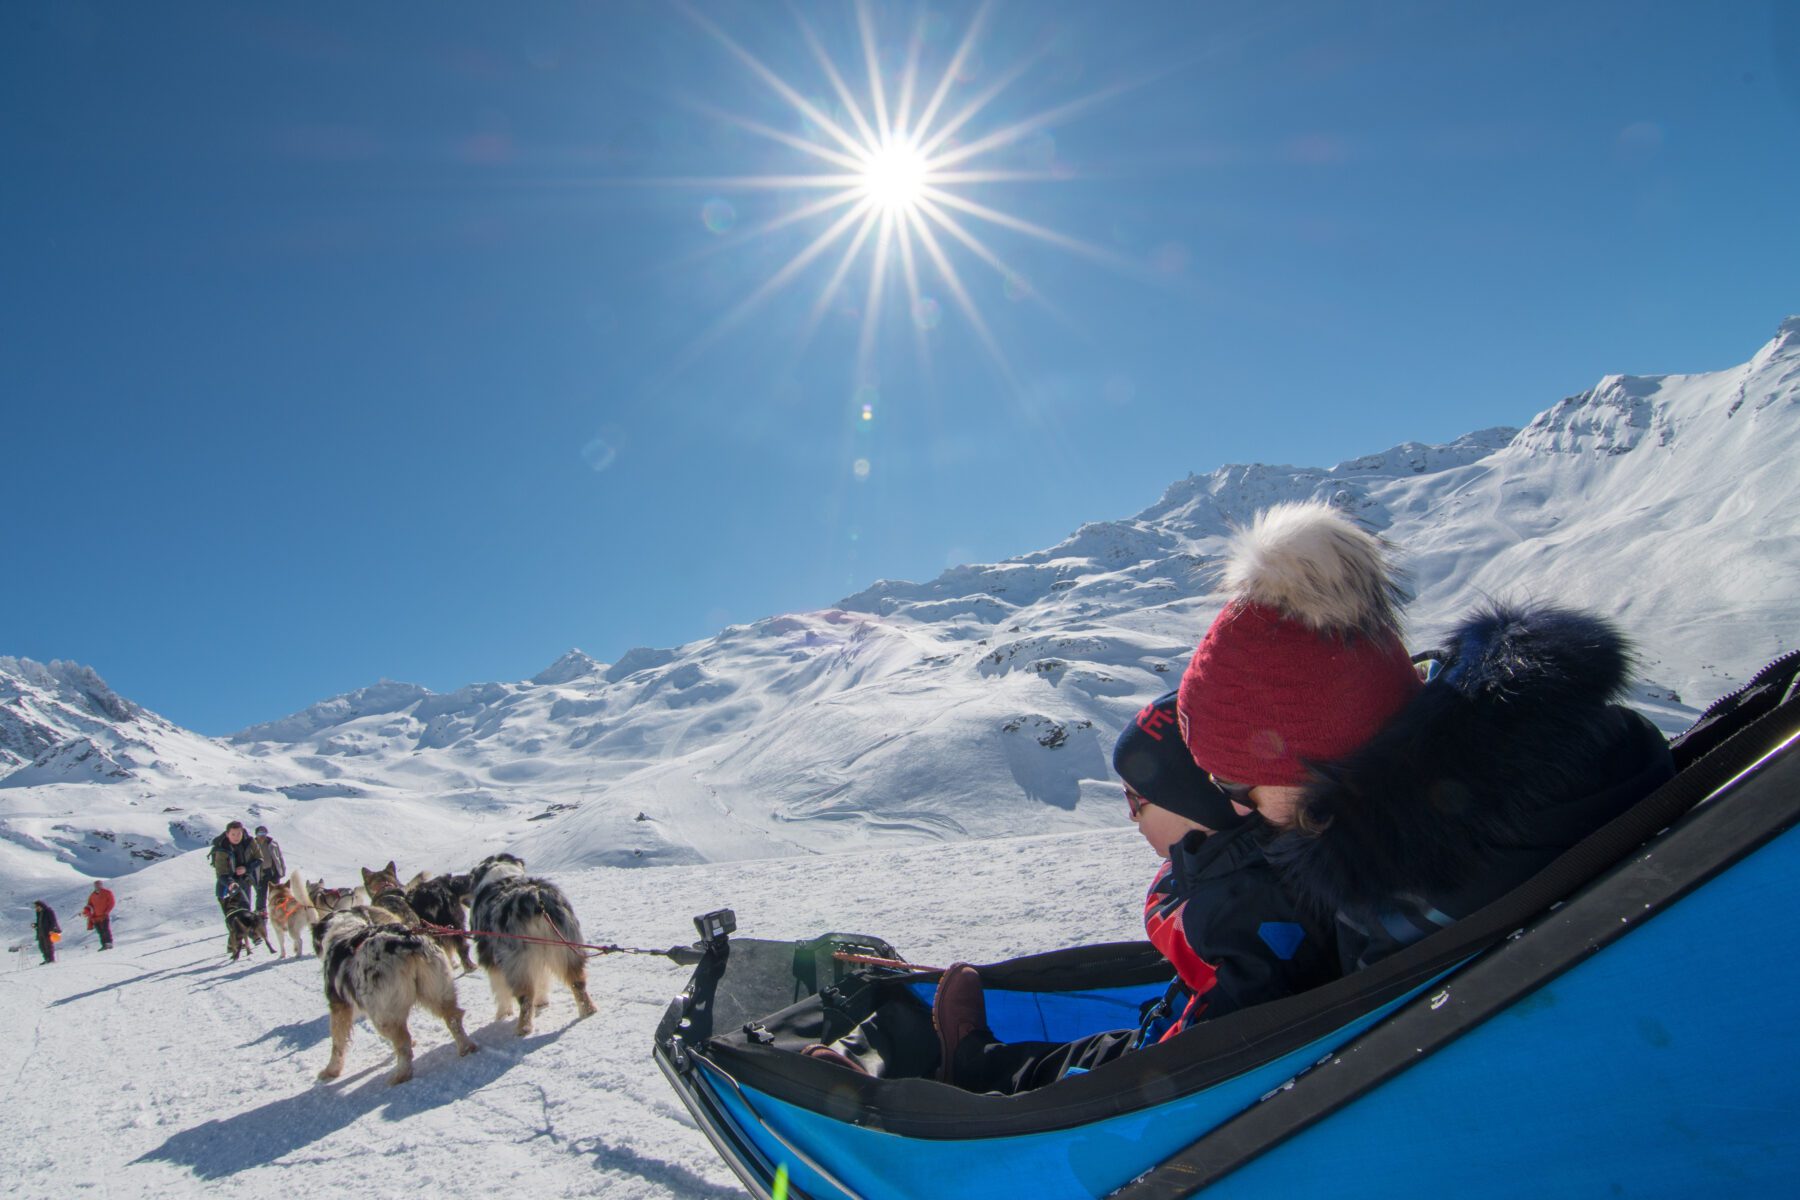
{"points": [[98, 911]]}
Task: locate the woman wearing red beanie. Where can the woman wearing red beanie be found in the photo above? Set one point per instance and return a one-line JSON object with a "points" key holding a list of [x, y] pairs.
{"points": [[1305, 663], [1408, 804]]}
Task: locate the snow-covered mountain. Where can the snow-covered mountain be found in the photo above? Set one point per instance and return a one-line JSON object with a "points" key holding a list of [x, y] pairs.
{"points": [[86, 777], [983, 702]]}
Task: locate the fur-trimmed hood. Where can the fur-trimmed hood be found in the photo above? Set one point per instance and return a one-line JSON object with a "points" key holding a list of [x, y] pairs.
{"points": [[1499, 750]]}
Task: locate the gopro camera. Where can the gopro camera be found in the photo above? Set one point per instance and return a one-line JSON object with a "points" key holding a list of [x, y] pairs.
{"points": [[716, 926]]}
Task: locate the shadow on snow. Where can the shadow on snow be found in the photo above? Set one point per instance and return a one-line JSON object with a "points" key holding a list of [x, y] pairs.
{"points": [[296, 1035], [621, 1158], [261, 1136]]}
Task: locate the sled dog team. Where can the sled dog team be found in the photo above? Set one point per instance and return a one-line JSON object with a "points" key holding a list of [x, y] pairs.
{"points": [[378, 959]]}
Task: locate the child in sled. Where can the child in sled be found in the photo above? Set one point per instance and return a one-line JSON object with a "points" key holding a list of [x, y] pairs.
{"points": [[1303, 665], [1217, 910]]}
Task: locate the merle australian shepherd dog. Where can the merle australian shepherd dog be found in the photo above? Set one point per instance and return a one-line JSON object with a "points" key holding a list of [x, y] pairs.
{"points": [[513, 904], [387, 893], [381, 969], [441, 900]]}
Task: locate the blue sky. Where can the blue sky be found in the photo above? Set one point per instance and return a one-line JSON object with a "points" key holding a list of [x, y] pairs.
{"points": [[349, 341]]}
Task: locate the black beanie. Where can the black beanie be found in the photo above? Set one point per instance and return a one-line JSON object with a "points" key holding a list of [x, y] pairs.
{"points": [[1153, 760]]}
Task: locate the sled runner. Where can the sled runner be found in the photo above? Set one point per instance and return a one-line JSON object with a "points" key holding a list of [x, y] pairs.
{"points": [[1622, 1023]]}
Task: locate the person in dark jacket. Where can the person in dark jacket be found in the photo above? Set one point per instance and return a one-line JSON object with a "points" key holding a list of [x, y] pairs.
{"points": [[1217, 910], [47, 930], [98, 911], [233, 857], [1513, 753], [1407, 805], [271, 867]]}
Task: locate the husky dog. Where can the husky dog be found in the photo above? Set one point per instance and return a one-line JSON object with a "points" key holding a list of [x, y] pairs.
{"points": [[386, 893], [441, 900], [330, 900], [514, 905], [244, 926], [291, 913], [381, 970]]}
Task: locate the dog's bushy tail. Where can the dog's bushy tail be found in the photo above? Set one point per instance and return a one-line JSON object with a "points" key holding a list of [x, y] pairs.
{"points": [[297, 885]]}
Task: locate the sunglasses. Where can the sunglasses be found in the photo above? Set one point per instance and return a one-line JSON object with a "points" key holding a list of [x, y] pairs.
{"points": [[1134, 802], [1237, 793]]}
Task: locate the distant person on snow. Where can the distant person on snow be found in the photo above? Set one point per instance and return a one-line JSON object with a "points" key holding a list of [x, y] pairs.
{"points": [[47, 930], [98, 911], [271, 867], [233, 858]]}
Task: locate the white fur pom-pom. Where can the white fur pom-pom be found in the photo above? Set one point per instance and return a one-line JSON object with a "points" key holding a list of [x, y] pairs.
{"points": [[1318, 567]]}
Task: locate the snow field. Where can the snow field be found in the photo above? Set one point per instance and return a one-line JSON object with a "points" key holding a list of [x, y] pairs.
{"points": [[162, 1069]]}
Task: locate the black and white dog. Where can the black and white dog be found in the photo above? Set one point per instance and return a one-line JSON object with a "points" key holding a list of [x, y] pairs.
{"points": [[244, 927], [440, 900], [514, 905], [381, 970]]}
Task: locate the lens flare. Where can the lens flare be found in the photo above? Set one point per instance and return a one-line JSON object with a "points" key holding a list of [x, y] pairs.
{"points": [[891, 163], [719, 216]]}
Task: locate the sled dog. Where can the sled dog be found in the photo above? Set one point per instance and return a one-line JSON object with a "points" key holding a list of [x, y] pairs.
{"points": [[512, 904], [386, 893], [244, 927], [381, 970], [291, 913], [441, 900], [330, 900]]}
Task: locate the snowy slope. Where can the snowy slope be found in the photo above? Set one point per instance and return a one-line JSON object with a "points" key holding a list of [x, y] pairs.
{"points": [[97, 785], [981, 703], [161, 1069]]}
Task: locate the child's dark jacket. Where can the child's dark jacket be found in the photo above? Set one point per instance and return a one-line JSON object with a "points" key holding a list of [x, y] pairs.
{"points": [[1513, 753], [1231, 927]]}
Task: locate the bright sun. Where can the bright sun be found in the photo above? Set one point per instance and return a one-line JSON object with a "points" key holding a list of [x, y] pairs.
{"points": [[895, 176], [892, 166]]}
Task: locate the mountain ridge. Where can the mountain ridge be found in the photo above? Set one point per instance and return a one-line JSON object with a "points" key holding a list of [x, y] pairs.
{"points": [[984, 701]]}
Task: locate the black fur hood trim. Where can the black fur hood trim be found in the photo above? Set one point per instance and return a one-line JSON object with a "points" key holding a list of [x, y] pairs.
{"points": [[1515, 722]]}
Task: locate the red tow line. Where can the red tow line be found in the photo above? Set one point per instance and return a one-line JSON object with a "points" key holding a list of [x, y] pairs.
{"points": [[593, 951]]}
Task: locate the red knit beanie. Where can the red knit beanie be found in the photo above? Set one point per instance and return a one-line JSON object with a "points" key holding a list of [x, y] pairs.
{"points": [[1305, 663]]}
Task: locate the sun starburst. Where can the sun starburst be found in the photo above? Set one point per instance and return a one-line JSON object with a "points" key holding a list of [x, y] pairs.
{"points": [[894, 165], [895, 176]]}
